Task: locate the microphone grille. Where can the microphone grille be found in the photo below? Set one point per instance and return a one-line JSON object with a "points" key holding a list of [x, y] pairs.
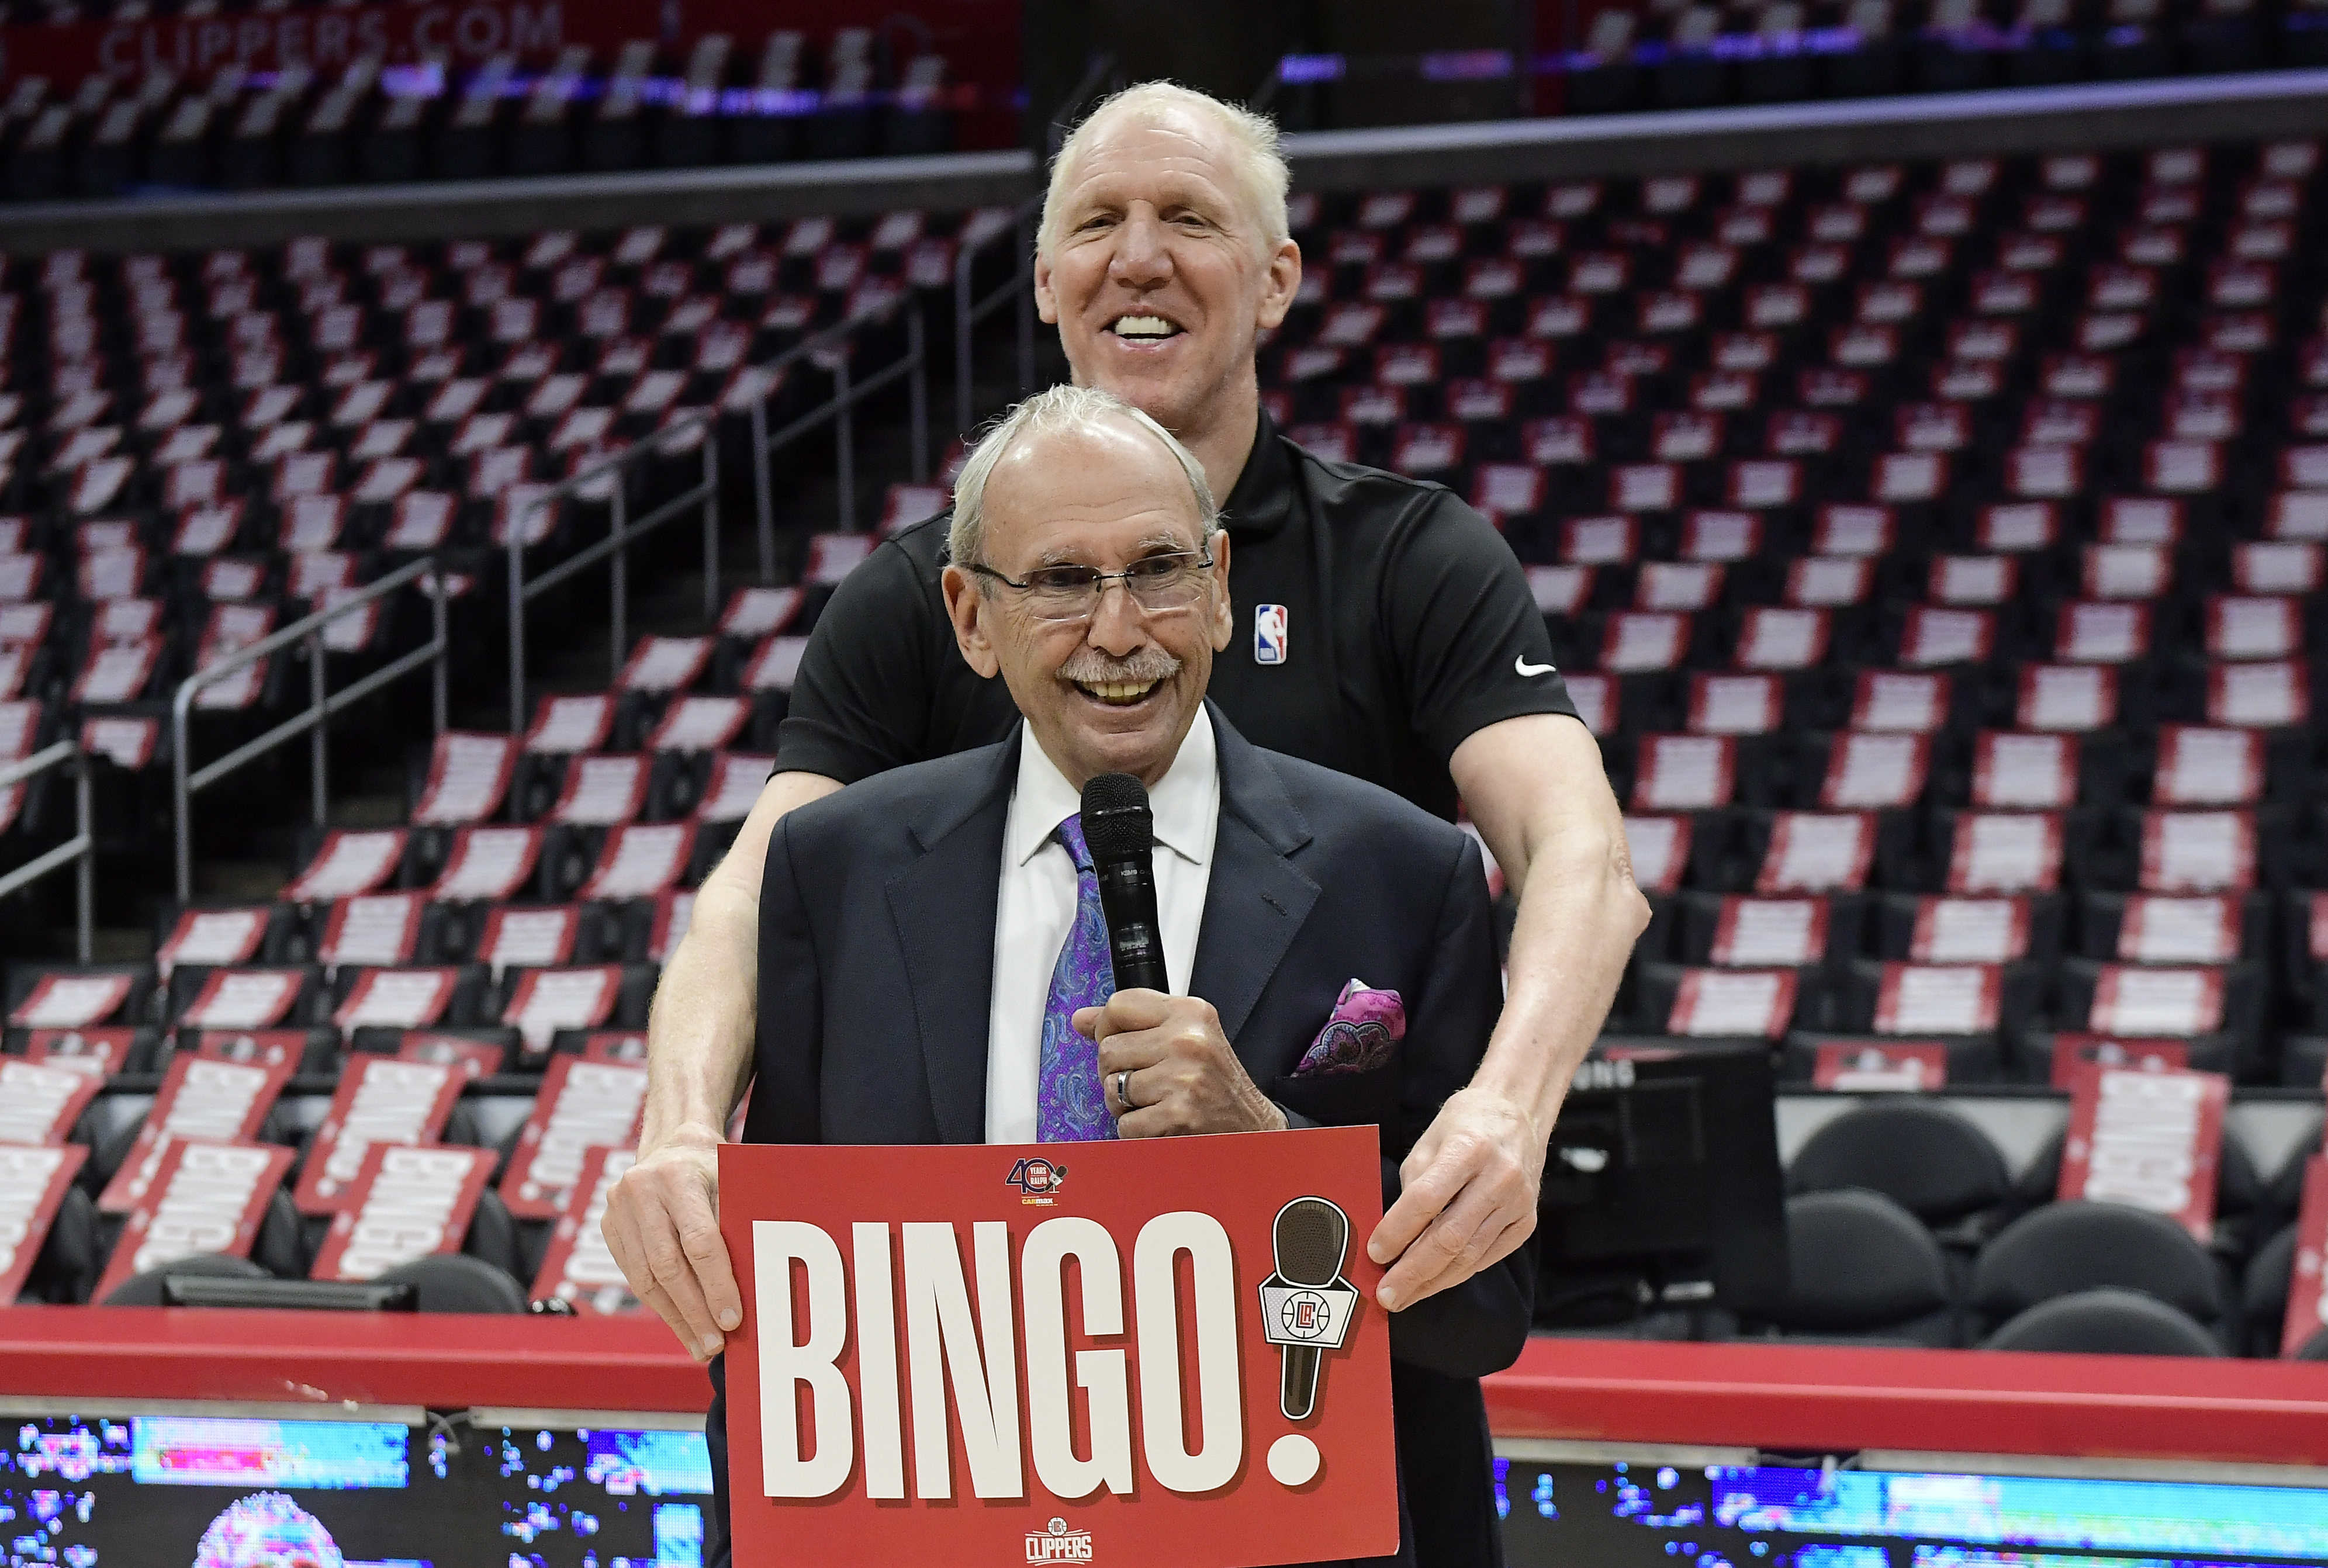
{"points": [[1310, 1238], [1117, 825]]}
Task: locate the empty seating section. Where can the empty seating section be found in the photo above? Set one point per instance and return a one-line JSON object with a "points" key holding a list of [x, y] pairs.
{"points": [[182, 124], [1682, 54], [1936, 550]]}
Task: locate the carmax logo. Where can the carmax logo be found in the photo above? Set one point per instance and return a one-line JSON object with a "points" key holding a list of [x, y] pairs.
{"points": [[1058, 1545]]}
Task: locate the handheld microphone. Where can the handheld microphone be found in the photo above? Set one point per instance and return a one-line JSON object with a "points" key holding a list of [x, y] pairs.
{"points": [[1310, 1238], [1120, 834]]}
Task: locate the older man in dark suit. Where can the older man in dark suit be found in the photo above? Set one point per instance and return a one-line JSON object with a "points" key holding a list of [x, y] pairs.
{"points": [[934, 960]]}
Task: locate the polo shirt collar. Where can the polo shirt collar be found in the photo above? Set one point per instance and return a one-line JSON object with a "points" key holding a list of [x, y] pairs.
{"points": [[1263, 497], [1185, 802]]}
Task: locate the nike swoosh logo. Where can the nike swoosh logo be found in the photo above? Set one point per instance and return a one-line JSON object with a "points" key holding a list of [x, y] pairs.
{"points": [[1525, 668]]}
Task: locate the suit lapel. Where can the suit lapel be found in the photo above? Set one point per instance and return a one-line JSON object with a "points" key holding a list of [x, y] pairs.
{"points": [[1257, 898], [948, 971]]}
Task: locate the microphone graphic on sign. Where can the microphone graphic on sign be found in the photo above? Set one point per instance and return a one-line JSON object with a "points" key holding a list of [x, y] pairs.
{"points": [[1306, 1306]]}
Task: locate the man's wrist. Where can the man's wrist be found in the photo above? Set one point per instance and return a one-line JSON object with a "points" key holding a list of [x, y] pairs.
{"points": [[700, 1136]]}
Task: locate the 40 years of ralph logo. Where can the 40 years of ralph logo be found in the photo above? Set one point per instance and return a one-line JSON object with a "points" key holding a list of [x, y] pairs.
{"points": [[1058, 1545], [1038, 1180]]}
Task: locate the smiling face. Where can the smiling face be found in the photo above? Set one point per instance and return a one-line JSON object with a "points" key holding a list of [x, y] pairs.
{"points": [[1117, 691], [1159, 275]]}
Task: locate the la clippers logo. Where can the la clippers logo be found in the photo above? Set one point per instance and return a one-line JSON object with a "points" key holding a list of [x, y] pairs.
{"points": [[1269, 644], [1037, 1180], [1058, 1545]]}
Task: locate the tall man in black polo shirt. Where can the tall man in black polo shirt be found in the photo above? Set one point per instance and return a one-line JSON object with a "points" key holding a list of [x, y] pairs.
{"points": [[1382, 628]]}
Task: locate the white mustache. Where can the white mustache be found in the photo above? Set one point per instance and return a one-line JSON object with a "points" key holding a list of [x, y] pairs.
{"points": [[1087, 666]]}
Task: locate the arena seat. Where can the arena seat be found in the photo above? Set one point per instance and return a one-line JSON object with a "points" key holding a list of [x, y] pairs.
{"points": [[1928, 1158], [2104, 1322], [1865, 1270], [2072, 1246]]}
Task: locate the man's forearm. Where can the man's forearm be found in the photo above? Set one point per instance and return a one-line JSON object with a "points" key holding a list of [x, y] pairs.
{"points": [[701, 1032], [1537, 788], [1579, 916]]}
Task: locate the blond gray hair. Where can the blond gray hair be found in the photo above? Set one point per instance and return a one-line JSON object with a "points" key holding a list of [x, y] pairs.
{"points": [[1257, 160], [1060, 410]]}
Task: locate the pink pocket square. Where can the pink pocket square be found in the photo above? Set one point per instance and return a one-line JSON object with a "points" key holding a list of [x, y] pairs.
{"points": [[1363, 1033]]}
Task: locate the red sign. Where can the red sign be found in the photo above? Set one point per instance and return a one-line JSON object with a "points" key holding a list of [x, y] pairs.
{"points": [[40, 1103], [581, 1106], [2074, 1054], [380, 1100], [404, 1204], [203, 1197], [628, 1047], [99, 1053], [1884, 1069], [1207, 1388], [266, 1048], [33, 1183], [578, 1267], [2149, 1139], [475, 1058], [2307, 1290], [222, 1101]]}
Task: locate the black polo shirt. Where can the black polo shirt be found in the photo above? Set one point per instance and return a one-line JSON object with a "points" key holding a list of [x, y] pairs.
{"points": [[1380, 622]]}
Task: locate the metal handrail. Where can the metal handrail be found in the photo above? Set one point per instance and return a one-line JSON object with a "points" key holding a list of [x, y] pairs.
{"points": [[705, 491], [321, 706], [81, 847], [844, 398], [968, 313], [621, 529]]}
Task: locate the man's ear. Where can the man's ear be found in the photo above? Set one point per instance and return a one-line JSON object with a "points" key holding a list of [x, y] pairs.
{"points": [[1224, 613], [1279, 283], [1046, 301], [967, 607]]}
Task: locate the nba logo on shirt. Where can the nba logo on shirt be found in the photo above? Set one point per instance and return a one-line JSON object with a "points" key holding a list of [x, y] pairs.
{"points": [[1269, 634]]}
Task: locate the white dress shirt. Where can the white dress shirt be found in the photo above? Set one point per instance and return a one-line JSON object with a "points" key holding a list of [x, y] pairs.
{"points": [[1035, 908]]}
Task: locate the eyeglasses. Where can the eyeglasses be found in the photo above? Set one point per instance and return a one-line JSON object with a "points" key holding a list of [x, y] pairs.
{"points": [[1159, 584]]}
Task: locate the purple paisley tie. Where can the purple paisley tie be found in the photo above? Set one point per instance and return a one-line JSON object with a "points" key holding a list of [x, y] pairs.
{"points": [[1071, 1107]]}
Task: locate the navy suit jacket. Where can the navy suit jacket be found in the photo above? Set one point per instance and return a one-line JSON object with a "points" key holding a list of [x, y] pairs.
{"points": [[876, 960]]}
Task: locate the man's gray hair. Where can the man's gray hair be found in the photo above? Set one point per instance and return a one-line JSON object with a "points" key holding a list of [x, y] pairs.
{"points": [[1058, 410], [1257, 161]]}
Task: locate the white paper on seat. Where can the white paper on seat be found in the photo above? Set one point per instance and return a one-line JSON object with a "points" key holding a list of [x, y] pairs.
{"points": [[1817, 852], [571, 724], [487, 864], [1734, 704], [1821, 581], [699, 724], [242, 1000], [1972, 579], [2157, 928], [1970, 930], [737, 781], [1782, 932], [1727, 1002], [2020, 772], [2203, 768], [2129, 1000], [2107, 632], [377, 928], [603, 790], [776, 664], [2197, 851], [2241, 626], [1684, 773], [1595, 699], [1778, 639], [211, 936], [347, 863], [2005, 853], [2265, 696], [529, 938], [1560, 590], [1916, 998], [551, 1000], [1937, 636], [1658, 848], [1874, 771], [1643, 640], [401, 998], [641, 859], [1899, 701]]}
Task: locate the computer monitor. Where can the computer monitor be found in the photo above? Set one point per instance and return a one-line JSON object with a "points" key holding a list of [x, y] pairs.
{"points": [[242, 1491], [1663, 1188]]}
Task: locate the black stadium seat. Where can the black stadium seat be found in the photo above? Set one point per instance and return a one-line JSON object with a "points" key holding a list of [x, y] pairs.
{"points": [[1865, 1270], [2069, 1247], [1928, 1158], [2104, 1322]]}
